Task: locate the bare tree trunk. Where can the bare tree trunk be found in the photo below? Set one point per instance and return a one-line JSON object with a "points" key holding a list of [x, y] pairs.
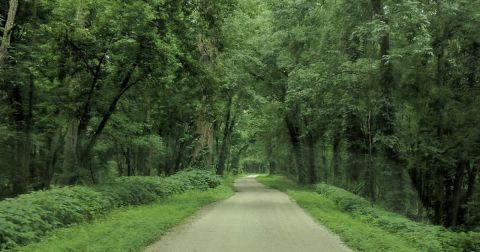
{"points": [[22, 141], [454, 218], [227, 132], [22, 160], [294, 133], [84, 153], [386, 116], [356, 150], [312, 171], [128, 160], [371, 169], [7, 32], [205, 138], [53, 153], [337, 174], [70, 173], [272, 166]]}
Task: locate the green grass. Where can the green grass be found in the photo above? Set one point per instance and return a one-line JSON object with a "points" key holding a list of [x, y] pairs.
{"points": [[130, 229], [26, 219], [353, 232], [359, 233]]}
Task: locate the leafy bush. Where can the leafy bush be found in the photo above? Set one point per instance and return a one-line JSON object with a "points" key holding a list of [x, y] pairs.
{"points": [[425, 237], [347, 201], [28, 217]]}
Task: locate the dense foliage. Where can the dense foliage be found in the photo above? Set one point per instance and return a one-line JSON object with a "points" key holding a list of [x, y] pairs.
{"points": [[95, 89], [143, 225], [27, 218], [376, 96], [424, 237], [379, 97]]}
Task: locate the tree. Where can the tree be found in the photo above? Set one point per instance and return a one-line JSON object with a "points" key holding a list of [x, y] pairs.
{"points": [[7, 30]]}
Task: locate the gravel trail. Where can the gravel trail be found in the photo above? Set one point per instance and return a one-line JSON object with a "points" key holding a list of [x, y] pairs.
{"points": [[256, 218]]}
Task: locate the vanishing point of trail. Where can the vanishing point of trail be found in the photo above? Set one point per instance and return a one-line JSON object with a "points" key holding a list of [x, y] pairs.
{"points": [[256, 218]]}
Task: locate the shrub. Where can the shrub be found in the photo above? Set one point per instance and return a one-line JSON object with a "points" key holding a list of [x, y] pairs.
{"points": [[425, 237], [347, 201], [27, 218]]}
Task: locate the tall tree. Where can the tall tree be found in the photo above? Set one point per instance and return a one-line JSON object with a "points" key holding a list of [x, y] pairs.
{"points": [[7, 30]]}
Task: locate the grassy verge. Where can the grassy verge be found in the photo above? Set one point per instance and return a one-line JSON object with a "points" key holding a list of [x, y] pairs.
{"points": [[370, 228], [131, 229], [26, 219]]}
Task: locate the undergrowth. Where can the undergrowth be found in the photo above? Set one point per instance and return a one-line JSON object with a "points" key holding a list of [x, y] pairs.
{"points": [[129, 229], [365, 227], [27, 218]]}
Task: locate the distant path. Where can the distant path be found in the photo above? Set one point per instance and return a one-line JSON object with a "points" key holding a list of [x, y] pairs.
{"points": [[256, 218]]}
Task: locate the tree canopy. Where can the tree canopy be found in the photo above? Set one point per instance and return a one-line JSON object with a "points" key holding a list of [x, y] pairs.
{"points": [[379, 97]]}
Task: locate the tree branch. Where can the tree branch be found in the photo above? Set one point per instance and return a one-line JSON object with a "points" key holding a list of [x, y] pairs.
{"points": [[125, 85], [82, 56], [84, 118]]}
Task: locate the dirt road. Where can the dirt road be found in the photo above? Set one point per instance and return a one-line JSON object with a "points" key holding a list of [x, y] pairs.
{"points": [[256, 218]]}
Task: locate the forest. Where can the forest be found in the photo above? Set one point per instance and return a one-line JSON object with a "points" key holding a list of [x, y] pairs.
{"points": [[378, 97]]}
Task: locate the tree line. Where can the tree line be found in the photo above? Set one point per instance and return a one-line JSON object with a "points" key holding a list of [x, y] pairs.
{"points": [[95, 89], [379, 97]]}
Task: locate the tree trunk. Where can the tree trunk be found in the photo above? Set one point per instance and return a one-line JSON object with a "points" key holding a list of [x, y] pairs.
{"points": [[84, 153], [86, 110], [227, 131], [272, 166], [128, 161], [22, 161], [453, 217], [205, 138], [125, 85], [70, 172], [386, 116], [356, 150], [294, 133], [337, 174], [312, 171], [22, 140], [55, 147], [235, 162], [7, 32]]}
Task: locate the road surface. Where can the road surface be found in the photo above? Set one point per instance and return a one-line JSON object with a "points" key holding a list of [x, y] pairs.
{"points": [[256, 218]]}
